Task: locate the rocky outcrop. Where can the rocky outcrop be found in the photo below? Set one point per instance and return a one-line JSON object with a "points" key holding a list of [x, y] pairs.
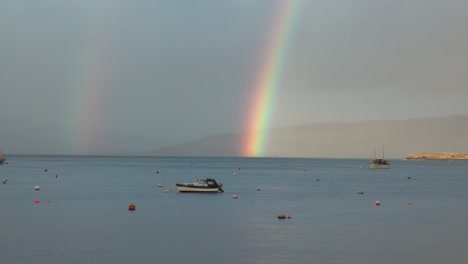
{"points": [[438, 156]]}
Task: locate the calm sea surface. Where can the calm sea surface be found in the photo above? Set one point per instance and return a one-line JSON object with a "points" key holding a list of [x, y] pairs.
{"points": [[423, 216]]}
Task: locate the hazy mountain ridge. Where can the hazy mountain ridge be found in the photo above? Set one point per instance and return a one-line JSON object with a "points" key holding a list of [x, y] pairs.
{"points": [[342, 140]]}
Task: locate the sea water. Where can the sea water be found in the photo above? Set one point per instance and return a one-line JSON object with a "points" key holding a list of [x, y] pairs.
{"points": [[83, 214]]}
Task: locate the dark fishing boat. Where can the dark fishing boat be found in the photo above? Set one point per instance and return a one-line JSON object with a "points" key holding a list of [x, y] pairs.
{"points": [[379, 163]]}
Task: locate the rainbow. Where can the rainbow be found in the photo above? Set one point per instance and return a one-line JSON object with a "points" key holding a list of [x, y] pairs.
{"points": [[90, 87], [268, 79]]}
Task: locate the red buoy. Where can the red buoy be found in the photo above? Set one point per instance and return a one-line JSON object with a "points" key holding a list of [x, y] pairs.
{"points": [[157, 172], [234, 196], [131, 207], [37, 201], [377, 202]]}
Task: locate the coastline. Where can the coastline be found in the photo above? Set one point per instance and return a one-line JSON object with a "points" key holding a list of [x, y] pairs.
{"points": [[437, 156]]}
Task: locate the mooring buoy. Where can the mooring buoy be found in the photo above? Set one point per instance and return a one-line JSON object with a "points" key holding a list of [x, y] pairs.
{"points": [[282, 216]]}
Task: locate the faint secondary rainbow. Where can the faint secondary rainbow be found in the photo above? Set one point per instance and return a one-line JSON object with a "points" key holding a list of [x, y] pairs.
{"points": [[90, 87], [268, 79]]}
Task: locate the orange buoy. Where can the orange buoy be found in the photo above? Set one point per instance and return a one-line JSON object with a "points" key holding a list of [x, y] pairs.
{"points": [[131, 207]]}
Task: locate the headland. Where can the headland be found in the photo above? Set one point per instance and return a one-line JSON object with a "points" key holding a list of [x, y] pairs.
{"points": [[437, 156]]}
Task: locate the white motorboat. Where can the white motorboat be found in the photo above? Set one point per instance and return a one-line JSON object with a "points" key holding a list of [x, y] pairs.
{"points": [[201, 185]]}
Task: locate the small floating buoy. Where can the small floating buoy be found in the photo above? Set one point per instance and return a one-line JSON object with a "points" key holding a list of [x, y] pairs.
{"points": [[45, 170], [5, 181], [166, 191], [37, 201], [157, 172], [360, 167], [238, 168], [317, 180], [282, 216], [56, 175], [360, 192], [131, 207], [289, 216], [48, 201], [160, 185], [377, 202], [36, 188], [258, 189], [235, 174], [409, 178], [234, 196]]}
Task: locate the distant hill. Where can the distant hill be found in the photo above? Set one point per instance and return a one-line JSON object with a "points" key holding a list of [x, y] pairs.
{"points": [[343, 140]]}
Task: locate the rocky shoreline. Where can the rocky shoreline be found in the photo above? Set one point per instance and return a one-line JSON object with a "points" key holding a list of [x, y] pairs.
{"points": [[438, 156]]}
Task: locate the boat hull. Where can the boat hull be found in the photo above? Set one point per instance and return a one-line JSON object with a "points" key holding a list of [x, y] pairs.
{"points": [[197, 189], [379, 166]]}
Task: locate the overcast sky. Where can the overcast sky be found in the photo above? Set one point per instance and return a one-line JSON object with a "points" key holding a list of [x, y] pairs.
{"points": [[93, 77]]}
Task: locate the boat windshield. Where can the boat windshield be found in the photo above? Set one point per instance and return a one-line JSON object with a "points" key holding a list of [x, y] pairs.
{"points": [[211, 183]]}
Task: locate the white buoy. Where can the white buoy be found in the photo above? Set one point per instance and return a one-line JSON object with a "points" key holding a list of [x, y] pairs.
{"points": [[36, 188]]}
